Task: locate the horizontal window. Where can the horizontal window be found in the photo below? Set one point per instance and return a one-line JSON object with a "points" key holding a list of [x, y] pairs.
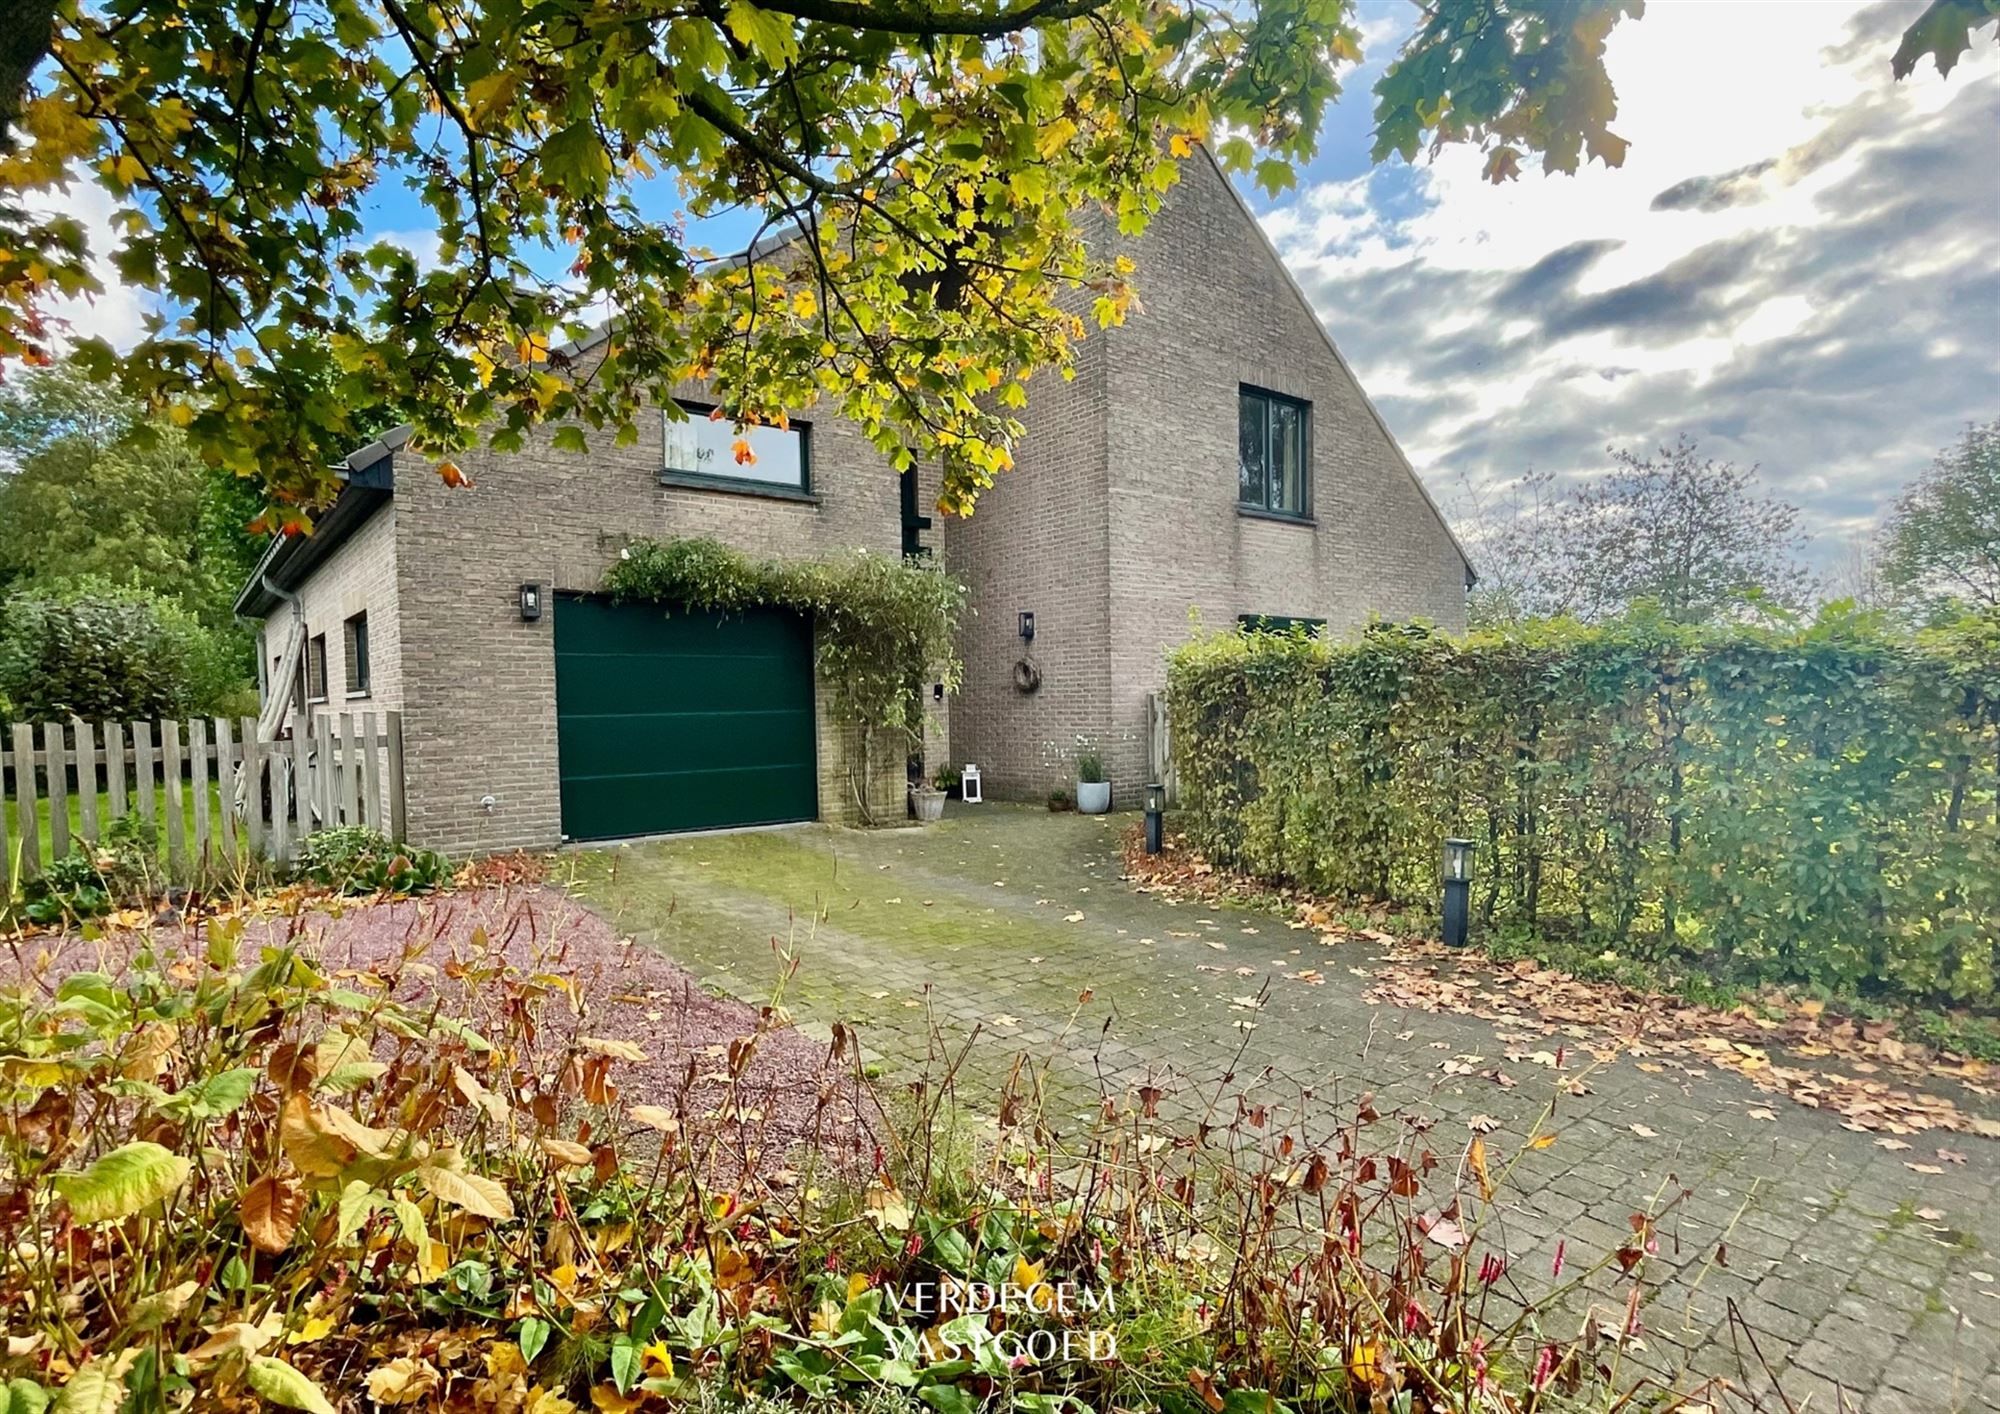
{"points": [[1278, 623], [1274, 439], [701, 445]]}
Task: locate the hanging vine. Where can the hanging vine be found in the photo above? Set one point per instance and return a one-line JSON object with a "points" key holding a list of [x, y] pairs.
{"points": [[885, 627]]}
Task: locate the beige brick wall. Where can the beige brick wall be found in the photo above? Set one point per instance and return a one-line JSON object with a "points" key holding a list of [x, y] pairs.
{"points": [[1120, 520], [480, 683], [1038, 541], [359, 577]]}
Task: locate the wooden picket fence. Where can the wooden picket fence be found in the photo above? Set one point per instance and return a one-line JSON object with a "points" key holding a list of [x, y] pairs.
{"points": [[329, 769]]}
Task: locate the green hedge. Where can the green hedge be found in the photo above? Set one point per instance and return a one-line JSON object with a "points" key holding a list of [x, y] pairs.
{"points": [[1812, 806]]}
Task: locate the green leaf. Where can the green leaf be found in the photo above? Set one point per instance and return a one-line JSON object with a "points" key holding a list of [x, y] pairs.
{"points": [[282, 1384], [96, 1388], [533, 1336], [569, 438], [24, 1396], [575, 158], [358, 1203], [765, 31], [626, 1362], [123, 1182], [226, 1093]]}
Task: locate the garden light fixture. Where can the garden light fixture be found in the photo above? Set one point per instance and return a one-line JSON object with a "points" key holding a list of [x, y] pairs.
{"points": [[1457, 891], [531, 603], [1156, 806]]}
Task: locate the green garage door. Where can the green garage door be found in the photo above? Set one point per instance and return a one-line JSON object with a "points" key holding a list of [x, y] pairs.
{"points": [[682, 721]]}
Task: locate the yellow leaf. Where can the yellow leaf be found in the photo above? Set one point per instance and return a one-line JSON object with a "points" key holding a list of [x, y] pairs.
{"points": [[565, 1151], [655, 1117], [1363, 1364], [1541, 1141], [315, 1328], [403, 1381], [1180, 146], [607, 1400], [1476, 1157]]}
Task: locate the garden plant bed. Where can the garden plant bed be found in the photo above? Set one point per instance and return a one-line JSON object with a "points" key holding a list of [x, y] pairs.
{"points": [[1859, 1070], [417, 949]]}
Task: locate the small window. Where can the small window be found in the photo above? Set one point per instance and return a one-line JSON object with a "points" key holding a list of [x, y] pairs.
{"points": [[1279, 623], [1273, 435], [701, 447], [316, 668], [354, 638]]}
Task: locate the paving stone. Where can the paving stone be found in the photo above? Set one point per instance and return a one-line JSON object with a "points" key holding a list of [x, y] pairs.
{"points": [[1828, 1264]]}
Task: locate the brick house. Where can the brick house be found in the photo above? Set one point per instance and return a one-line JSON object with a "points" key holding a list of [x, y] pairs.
{"points": [[1214, 458]]}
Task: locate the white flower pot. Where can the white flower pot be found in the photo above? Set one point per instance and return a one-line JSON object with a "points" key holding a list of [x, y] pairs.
{"points": [[1093, 797], [929, 804]]}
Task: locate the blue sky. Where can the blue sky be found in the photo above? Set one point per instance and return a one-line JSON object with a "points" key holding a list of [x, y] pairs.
{"points": [[1798, 264]]}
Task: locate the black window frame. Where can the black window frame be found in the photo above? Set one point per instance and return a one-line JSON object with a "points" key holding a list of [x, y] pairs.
{"points": [[1248, 394], [354, 653], [743, 485], [315, 665]]}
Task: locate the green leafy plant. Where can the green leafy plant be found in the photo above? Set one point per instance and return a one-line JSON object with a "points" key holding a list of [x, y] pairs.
{"points": [[1089, 767], [1814, 805], [948, 778], [1060, 799], [112, 655], [353, 859], [883, 626]]}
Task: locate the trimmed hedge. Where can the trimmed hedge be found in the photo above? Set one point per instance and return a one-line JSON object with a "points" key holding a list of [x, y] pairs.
{"points": [[1812, 806]]}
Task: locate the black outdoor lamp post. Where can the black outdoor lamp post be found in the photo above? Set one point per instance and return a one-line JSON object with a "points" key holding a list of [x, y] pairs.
{"points": [[1457, 891], [1156, 808]]}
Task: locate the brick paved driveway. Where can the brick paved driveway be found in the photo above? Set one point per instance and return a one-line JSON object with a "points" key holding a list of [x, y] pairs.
{"points": [[1856, 1270]]}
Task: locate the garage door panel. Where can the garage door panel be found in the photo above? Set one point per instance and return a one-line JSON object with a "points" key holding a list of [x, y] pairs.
{"points": [[620, 806], [622, 745], [617, 684], [682, 721]]}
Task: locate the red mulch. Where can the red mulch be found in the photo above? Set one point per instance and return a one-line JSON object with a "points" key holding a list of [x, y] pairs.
{"points": [[793, 1092]]}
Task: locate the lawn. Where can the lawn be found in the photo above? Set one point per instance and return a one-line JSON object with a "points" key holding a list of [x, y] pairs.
{"points": [[105, 817]]}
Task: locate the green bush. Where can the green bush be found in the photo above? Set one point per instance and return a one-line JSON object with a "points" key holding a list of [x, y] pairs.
{"points": [[1813, 805], [353, 859], [90, 884], [112, 655]]}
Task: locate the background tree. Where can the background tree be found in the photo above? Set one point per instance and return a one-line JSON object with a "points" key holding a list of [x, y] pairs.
{"points": [[926, 157], [1941, 543], [90, 492], [120, 556], [1683, 532]]}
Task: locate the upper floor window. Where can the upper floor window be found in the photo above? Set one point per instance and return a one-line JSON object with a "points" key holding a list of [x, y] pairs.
{"points": [[354, 636], [1273, 433], [704, 448]]}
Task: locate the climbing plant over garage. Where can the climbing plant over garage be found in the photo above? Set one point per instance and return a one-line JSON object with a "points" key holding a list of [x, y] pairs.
{"points": [[885, 626]]}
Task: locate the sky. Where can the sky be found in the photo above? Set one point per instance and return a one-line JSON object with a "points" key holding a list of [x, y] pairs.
{"points": [[1798, 264]]}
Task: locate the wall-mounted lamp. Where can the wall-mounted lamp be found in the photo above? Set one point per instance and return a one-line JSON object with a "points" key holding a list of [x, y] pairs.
{"points": [[531, 603], [1156, 811], [1457, 891], [1027, 625]]}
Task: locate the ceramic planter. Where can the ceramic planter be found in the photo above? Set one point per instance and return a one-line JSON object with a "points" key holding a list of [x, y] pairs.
{"points": [[1093, 797], [929, 804]]}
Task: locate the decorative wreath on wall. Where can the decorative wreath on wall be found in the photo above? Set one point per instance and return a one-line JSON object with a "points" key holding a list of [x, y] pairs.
{"points": [[1027, 677]]}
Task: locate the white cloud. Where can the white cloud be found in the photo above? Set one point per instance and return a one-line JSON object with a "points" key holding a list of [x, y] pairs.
{"points": [[118, 314], [1732, 279]]}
